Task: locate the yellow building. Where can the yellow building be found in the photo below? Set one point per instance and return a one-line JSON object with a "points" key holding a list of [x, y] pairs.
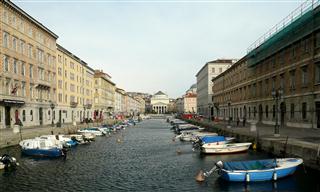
{"points": [[104, 96], [27, 68], [75, 87]]}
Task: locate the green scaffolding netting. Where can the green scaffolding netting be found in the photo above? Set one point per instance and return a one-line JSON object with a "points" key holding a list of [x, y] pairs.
{"points": [[299, 28]]}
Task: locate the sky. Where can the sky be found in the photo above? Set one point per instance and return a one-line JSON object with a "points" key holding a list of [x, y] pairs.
{"points": [[152, 45]]}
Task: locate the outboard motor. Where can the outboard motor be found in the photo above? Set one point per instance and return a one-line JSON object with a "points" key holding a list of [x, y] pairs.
{"points": [[8, 161]]}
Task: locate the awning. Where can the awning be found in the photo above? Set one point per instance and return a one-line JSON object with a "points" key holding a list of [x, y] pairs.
{"points": [[12, 102]]}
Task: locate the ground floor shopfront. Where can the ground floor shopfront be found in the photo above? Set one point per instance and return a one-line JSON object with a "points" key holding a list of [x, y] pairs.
{"points": [[290, 111], [38, 114]]}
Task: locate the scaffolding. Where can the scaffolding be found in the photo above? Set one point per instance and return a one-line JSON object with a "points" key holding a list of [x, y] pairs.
{"points": [[302, 21]]}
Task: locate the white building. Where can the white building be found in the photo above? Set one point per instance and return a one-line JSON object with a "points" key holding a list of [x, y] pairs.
{"points": [[204, 84], [160, 102]]}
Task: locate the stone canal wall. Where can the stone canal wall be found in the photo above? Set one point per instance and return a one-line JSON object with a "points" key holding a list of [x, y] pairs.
{"points": [[8, 138], [278, 146]]}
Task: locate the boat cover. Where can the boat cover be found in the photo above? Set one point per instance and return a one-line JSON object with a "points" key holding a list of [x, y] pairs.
{"points": [[212, 139], [250, 165]]}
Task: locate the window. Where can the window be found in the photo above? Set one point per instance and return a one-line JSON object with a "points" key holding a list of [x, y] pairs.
{"points": [[273, 83], [31, 115], [220, 70], [5, 39], [305, 45], [6, 63], [60, 84], [304, 110], [318, 40], [14, 43], [23, 69], [59, 58], [22, 47], [23, 115], [292, 79], [213, 70], [66, 98], [60, 97], [30, 70], [266, 88], [31, 91], [282, 82], [5, 17], [267, 111], [23, 89], [304, 76], [292, 111], [15, 66], [30, 50], [317, 72]]}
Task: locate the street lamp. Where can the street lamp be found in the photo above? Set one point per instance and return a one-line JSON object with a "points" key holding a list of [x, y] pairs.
{"points": [[276, 94], [52, 107]]}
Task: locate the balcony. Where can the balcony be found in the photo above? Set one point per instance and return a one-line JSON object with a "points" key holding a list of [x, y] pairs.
{"points": [[73, 104], [88, 106]]}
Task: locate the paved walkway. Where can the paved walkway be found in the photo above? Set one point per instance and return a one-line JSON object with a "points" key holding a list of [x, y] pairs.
{"points": [[267, 131]]}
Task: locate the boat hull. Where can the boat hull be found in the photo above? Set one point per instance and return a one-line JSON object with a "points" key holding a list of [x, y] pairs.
{"points": [[284, 168], [267, 175], [55, 152], [225, 148]]}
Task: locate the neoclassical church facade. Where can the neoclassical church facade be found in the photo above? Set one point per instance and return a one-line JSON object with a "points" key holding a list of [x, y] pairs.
{"points": [[160, 102]]}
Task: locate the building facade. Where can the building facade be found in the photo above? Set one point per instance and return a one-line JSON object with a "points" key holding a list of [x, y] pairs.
{"points": [[278, 80], [75, 81], [204, 84], [27, 69], [160, 102], [104, 95]]}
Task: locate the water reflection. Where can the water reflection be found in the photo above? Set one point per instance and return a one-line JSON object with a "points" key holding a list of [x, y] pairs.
{"points": [[145, 160]]}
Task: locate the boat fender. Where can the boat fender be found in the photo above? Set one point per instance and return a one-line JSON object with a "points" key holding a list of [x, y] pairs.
{"points": [[247, 177], [274, 176]]}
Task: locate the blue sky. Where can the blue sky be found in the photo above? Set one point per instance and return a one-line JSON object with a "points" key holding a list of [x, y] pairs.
{"points": [[153, 45]]}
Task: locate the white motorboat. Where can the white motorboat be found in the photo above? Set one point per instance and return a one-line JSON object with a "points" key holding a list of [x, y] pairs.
{"points": [[62, 139], [224, 148], [193, 135], [94, 130]]}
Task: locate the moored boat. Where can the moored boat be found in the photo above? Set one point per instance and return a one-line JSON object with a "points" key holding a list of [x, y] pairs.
{"points": [[41, 147], [225, 148], [256, 170]]}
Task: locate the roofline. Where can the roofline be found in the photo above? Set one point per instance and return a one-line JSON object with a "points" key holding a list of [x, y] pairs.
{"points": [[231, 67], [64, 50], [30, 18], [213, 62]]}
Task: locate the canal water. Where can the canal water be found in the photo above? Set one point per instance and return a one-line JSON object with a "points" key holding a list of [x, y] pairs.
{"points": [[146, 159]]}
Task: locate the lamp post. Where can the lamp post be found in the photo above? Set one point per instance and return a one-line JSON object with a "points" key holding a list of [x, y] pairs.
{"points": [[276, 94], [52, 106]]}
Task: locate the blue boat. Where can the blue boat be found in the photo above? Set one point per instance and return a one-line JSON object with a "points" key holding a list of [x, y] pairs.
{"points": [[257, 170], [41, 147]]}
